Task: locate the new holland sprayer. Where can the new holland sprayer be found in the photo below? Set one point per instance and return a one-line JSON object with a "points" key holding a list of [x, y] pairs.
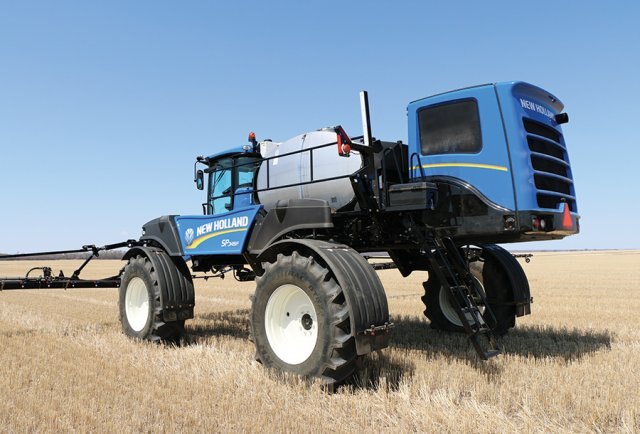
{"points": [[483, 165]]}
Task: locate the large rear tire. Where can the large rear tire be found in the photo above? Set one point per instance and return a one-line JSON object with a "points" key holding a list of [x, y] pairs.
{"points": [[140, 304], [494, 280], [300, 320]]}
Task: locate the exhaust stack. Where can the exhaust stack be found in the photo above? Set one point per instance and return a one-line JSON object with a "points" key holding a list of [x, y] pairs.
{"points": [[366, 121]]}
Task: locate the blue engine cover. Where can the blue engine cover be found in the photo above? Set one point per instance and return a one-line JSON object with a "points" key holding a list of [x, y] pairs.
{"points": [[523, 163], [222, 234]]}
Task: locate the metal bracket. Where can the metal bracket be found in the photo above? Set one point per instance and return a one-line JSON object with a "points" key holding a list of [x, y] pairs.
{"points": [[381, 329]]}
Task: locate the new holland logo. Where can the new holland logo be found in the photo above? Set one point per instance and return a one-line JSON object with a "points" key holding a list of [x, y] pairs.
{"points": [[216, 228], [188, 236]]}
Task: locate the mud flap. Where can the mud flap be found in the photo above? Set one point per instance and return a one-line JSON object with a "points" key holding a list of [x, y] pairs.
{"points": [[517, 278]]}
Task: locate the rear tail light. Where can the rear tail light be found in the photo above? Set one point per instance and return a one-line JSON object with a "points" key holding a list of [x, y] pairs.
{"points": [[539, 223]]}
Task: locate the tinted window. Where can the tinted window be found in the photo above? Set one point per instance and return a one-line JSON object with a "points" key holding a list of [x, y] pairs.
{"points": [[246, 167], [220, 187], [452, 128]]}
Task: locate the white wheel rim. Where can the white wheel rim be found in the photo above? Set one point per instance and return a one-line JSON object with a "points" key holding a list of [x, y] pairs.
{"points": [[291, 324], [137, 304], [448, 309]]}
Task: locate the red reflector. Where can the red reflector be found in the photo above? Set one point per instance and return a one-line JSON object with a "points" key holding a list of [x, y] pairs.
{"points": [[535, 223], [344, 142], [567, 223]]}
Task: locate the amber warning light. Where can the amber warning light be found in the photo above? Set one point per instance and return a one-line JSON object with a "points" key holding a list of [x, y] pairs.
{"points": [[253, 141]]}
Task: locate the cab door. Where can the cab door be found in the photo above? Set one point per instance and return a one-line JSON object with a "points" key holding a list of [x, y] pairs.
{"points": [[221, 186], [231, 183]]}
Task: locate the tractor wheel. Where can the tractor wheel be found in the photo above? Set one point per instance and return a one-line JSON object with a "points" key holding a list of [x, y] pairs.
{"points": [[139, 304], [300, 320], [493, 279]]}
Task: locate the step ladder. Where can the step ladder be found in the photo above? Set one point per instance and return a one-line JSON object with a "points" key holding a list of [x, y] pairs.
{"points": [[466, 292]]}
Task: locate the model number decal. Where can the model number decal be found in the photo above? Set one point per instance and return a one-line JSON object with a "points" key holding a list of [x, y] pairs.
{"points": [[229, 243]]}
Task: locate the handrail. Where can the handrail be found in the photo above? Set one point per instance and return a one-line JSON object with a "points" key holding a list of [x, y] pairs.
{"points": [[384, 170], [288, 154], [419, 165]]}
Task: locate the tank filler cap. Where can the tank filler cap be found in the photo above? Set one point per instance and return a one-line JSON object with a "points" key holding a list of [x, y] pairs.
{"points": [[266, 144]]}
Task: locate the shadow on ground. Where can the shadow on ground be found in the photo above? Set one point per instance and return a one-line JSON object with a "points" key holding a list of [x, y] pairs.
{"points": [[231, 323], [526, 341], [378, 371], [383, 370], [545, 341]]}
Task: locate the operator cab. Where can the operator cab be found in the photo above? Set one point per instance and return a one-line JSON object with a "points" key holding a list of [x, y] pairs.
{"points": [[231, 180]]}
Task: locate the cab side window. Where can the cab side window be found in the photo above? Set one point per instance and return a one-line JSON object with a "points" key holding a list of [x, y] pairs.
{"points": [[220, 187], [450, 128], [246, 167], [245, 171]]}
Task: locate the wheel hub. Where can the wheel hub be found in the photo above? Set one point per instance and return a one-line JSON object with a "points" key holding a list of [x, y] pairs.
{"points": [[291, 324], [137, 304], [448, 309], [307, 321]]}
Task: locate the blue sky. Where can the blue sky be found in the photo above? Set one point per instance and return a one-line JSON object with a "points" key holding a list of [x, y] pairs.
{"points": [[104, 105]]}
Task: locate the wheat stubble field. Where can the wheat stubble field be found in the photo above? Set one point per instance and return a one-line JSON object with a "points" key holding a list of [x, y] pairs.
{"points": [[573, 366]]}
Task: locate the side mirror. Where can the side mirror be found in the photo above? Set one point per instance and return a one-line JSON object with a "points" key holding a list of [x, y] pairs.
{"points": [[199, 180]]}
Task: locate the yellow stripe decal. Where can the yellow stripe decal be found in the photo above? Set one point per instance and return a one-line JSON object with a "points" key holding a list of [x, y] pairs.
{"points": [[474, 165], [201, 240]]}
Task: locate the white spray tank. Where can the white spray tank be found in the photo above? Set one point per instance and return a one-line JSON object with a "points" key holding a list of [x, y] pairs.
{"points": [[296, 169]]}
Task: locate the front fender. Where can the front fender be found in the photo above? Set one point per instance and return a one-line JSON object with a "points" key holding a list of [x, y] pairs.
{"points": [[360, 283], [521, 292], [177, 295]]}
